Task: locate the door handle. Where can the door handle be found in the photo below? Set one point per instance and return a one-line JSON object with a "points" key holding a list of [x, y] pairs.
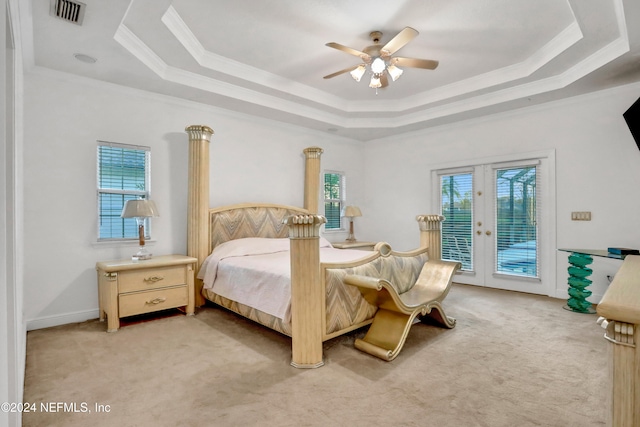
{"points": [[488, 233]]}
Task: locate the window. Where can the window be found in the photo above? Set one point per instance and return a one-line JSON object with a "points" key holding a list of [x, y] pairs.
{"points": [[123, 174], [516, 210], [456, 192], [334, 198]]}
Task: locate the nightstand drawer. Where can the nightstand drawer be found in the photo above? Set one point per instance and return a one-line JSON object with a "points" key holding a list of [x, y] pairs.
{"points": [[142, 280], [146, 302]]}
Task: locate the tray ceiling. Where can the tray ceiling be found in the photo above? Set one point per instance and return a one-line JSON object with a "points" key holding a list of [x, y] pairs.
{"points": [[268, 58]]}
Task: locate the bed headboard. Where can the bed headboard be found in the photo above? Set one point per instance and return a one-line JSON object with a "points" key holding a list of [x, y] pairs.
{"points": [[249, 220]]}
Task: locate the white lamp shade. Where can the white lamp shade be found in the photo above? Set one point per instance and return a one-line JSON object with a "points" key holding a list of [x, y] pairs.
{"points": [[139, 209], [352, 211], [358, 72], [394, 72]]}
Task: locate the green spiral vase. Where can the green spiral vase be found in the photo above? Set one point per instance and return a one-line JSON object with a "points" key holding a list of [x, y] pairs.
{"points": [[578, 283]]}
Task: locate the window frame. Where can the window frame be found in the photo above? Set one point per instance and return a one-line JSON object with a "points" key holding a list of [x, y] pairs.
{"points": [[143, 194], [342, 200]]}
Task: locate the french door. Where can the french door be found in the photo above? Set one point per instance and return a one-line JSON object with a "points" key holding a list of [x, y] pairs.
{"points": [[498, 223]]}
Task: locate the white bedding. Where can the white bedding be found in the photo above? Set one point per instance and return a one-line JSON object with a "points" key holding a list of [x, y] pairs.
{"points": [[257, 272]]}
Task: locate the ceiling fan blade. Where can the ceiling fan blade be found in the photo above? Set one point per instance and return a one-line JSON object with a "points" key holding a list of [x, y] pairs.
{"points": [[337, 73], [415, 63], [384, 81], [350, 51], [401, 39]]}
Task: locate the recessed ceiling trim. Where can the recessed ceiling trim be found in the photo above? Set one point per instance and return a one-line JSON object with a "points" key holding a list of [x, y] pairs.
{"points": [[581, 69], [343, 117], [139, 49], [560, 43], [181, 31]]}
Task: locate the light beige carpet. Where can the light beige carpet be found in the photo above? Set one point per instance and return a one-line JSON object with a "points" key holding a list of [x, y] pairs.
{"points": [[512, 360]]}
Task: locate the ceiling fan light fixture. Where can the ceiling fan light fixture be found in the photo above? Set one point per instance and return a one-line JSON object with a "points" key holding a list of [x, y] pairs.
{"points": [[379, 61], [358, 72], [378, 66], [394, 72]]}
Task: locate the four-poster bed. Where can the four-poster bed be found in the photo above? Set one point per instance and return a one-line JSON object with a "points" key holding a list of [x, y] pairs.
{"points": [[319, 305]]}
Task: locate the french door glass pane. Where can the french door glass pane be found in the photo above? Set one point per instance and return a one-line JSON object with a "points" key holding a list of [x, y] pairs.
{"points": [[516, 221], [456, 192]]}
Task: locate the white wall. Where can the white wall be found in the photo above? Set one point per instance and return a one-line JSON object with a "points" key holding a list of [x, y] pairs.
{"points": [[251, 160], [12, 325], [597, 162], [597, 170]]}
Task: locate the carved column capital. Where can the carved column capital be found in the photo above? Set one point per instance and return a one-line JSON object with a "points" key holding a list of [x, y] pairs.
{"points": [[430, 234], [429, 222], [304, 226], [313, 152], [618, 332], [199, 132]]}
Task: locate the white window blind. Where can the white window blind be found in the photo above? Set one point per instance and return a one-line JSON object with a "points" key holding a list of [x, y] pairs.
{"points": [[123, 174], [456, 193], [516, 209], [334, 198]]}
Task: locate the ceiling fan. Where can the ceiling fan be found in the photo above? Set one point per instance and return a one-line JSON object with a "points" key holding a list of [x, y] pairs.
{"points": [[379, 60]]}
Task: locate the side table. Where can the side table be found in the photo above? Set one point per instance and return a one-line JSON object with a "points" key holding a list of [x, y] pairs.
{"points": [[127, 288]]}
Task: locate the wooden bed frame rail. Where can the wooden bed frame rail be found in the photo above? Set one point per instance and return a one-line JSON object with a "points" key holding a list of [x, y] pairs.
{"points": [[307, 300]]}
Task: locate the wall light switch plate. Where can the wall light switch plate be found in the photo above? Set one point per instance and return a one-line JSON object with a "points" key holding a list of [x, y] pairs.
{"points": [[580, 216]]}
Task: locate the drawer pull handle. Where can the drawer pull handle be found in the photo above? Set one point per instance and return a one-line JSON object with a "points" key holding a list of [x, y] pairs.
{"points": [[156, 300], [154, 279]]}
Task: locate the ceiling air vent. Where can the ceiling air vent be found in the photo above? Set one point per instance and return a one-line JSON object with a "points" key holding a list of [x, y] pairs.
{"points": [[71, 11]]}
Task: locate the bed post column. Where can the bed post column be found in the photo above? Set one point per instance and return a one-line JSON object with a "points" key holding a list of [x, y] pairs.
{"points": [[430, 234], [312, 178], [306, 291], [198, 199]]}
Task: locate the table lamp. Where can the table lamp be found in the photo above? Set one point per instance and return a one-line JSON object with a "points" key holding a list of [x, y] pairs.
{"points": [[351, 212], [140, 209]]}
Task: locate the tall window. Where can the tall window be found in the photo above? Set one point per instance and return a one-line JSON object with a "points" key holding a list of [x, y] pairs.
{"points": [[334, 199], [123, 174]]}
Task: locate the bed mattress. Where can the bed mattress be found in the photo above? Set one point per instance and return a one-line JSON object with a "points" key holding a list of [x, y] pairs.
{"points": [[256, 272]]}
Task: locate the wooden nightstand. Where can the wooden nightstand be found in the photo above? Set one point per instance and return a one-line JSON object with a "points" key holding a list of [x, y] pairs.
{"points": [[127, 288], [363, 246]]}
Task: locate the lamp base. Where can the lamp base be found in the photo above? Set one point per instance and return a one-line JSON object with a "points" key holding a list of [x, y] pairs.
{"points": [[351, 237], [141, 255]]}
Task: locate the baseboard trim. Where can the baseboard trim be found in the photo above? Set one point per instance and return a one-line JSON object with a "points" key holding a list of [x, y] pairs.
{"points": [[61, 319]]}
